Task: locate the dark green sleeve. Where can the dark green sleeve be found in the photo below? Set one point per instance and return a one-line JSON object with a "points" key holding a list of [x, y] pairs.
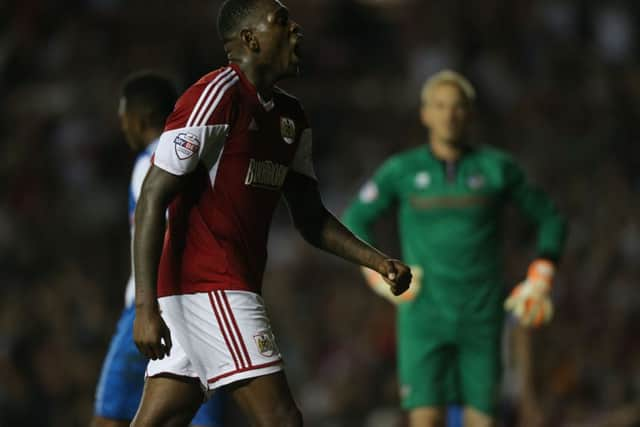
{"points": [[375, 197], [538, 207]]}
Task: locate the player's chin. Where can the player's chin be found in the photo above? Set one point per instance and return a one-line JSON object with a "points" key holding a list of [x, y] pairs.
{"points": [[452, 137]]}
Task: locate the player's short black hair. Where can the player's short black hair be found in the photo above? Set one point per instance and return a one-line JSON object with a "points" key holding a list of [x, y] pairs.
{"points": [[231, 15], [150, 93]]}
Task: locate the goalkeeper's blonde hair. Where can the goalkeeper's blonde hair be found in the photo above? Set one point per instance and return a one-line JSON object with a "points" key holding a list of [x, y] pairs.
{"points": [[448, 77]]}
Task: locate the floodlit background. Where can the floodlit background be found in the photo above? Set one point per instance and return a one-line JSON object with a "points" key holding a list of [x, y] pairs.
{"points": [[559, 87]]}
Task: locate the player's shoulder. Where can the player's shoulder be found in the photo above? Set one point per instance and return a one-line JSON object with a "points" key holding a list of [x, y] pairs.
{"points": [[286, 101], [218, 84], [407, 159], [401, 164], [493, 154], [209, 99], [285, 98]]}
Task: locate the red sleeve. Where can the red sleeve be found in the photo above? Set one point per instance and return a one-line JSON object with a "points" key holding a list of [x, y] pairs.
{"points": [[200, 122]]}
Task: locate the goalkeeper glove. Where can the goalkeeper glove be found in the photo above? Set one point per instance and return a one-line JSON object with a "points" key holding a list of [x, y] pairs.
{"points": [[379, 286], [530, 301]]}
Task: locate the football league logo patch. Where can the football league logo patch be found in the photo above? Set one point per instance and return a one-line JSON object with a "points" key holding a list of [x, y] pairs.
{"points": [[287, 129], [186, 145]]}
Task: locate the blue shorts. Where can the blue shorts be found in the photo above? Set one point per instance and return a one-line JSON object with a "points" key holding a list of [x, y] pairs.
{"points": [[122, 380]]}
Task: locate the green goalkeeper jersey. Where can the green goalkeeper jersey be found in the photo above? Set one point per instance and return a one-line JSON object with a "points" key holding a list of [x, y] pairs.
{"points": [[450, 217]]}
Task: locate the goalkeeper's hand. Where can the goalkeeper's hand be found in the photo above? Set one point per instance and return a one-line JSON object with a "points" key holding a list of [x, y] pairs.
{"points": [[379, 286], [530, 301]]}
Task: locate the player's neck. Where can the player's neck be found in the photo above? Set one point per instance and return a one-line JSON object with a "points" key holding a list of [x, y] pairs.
{"points": [[444, 150], [262, 80]]}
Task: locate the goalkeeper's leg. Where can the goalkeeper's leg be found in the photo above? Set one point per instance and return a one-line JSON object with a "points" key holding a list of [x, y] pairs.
{"points": [[480, 369], [427, 363], [475, 418], [427, 417]]}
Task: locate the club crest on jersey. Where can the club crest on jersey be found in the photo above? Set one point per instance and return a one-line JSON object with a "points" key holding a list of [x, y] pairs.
{"points": [[476, 182], [186, 145], [288, 129], [265, 174], [266, 343], [422, 179], [369, 192]]}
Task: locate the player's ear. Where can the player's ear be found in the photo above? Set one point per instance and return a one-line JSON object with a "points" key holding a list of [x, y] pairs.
{"points": [[249, 39], [471, 113], [145, 121], [137, 122]]}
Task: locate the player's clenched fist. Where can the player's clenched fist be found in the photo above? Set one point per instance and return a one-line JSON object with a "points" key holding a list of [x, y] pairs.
{"points": [[379, 286], [396, 274], [151, 334]]}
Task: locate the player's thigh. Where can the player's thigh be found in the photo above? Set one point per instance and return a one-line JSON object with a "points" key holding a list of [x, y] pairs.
{"points": [[168, 401], [480, 368], [267, 401], [475, 418], [427, 417], [211, 413], [427, 367], [106, 422]]}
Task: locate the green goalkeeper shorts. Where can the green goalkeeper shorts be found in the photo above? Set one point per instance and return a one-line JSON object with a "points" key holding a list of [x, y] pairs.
{"points": [[445, 362]]}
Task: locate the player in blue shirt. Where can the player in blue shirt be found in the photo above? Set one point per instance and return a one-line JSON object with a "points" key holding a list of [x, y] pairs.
{"points": [[145, 103]]}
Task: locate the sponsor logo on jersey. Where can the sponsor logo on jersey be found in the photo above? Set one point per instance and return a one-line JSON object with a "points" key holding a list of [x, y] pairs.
{"points": [[265, 174], [186, 145], [266, 343], [476, 182], [369, 192], [288, 129], [422, 179]]}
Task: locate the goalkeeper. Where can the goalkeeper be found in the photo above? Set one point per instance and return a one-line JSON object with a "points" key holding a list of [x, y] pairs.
{"points": [[450, 198]]}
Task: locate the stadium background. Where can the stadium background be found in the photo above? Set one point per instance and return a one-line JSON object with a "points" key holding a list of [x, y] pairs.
{"points": [[559, 86]]}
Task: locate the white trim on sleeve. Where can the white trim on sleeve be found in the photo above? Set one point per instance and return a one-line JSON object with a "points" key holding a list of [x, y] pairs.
{"points": [[180, 150]]}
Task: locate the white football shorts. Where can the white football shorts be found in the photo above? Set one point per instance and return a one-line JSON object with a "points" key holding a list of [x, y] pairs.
{"points": [[219, 337]]}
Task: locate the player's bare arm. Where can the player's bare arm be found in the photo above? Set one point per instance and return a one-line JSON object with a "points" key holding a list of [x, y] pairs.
{"points": [[150, 333], [321, 229]]}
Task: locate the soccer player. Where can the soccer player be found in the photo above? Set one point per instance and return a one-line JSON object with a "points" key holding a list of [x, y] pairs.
{"points": [[145, 102], [450, 198], [234, 144]]}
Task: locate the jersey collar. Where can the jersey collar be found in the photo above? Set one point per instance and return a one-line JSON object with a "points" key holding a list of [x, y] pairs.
{"points": [[267, 105]]}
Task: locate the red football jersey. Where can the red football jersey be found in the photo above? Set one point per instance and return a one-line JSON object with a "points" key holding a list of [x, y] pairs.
{"points": [[237, 150]]}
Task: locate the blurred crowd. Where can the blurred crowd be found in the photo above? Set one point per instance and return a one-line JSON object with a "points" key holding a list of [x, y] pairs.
{"points": [[559, 87]]}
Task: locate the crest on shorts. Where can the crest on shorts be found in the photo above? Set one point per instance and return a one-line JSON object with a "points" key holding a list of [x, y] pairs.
{"points": [[266, 343], [287, 129], [186, 145]]}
